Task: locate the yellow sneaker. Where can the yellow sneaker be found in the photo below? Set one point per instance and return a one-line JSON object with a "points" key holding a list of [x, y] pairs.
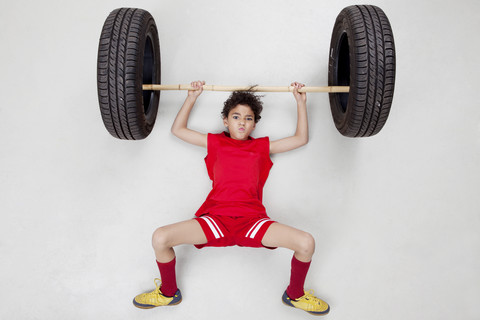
{"points": [[156, 298], [308, 302]]}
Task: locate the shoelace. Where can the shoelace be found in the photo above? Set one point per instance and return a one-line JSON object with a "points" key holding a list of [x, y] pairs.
{"points": [[157, 292], [309, 296], [157, 285], [153, 296]]}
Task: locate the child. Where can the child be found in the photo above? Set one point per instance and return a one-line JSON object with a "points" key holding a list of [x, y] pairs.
{"points": [[233, 213]]}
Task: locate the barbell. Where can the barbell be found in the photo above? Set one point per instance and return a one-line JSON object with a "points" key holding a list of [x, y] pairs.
{"points": [[207, 87], [361, 73]]}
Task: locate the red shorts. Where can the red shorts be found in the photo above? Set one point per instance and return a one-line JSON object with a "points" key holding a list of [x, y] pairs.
{"points": [[225, 231]]}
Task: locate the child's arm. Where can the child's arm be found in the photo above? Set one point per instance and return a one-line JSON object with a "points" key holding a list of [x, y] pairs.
{"points": [[179, 127], [301, 134]]}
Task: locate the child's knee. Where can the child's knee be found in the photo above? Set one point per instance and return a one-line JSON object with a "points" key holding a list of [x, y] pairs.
{"points": [[160, 238], [307, 244]]}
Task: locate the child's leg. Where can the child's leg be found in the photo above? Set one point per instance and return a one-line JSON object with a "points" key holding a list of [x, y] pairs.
{"points": [[167, 237], [303, 245], [163, 241], [301, 242]]}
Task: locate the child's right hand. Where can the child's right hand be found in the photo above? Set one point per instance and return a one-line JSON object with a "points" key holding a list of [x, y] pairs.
{"points": [[299, 96], [198, 85]]}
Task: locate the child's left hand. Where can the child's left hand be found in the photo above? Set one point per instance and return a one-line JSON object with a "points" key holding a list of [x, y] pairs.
{"points": [[299, 96], [198, 85]]}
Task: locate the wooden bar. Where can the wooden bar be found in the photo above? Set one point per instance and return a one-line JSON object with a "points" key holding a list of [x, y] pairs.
{"points": [[160, 87]]}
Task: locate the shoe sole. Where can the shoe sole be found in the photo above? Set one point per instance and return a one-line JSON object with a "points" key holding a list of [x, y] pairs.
{"points": [[311, 312], [322, 313], [148, 306]]}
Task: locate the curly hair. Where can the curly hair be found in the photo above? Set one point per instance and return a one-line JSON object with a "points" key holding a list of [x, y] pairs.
{"points": [[246, 98]]}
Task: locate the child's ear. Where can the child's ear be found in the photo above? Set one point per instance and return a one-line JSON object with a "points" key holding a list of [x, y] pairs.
{"points": [[225, 123]]}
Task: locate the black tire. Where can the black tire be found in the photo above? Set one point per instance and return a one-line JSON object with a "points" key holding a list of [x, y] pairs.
{"points": [[128, 56], [362, 56]]}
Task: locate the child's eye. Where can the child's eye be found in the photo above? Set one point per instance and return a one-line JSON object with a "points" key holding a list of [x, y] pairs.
{"points": [[235, 117], [249, 119]]}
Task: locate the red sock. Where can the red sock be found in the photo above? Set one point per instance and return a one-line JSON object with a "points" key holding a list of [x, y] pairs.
{"points": [[169, 279], [297, 278]]}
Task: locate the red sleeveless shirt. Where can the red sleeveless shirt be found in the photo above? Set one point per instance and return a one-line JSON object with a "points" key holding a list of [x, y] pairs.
{"points": [[239, 170]]}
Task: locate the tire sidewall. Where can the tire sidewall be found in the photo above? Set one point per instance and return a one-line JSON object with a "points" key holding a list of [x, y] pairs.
{"points": [[341, 113], [146, 115]]}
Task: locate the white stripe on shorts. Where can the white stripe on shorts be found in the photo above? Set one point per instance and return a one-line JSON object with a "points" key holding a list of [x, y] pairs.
{"points": [[214, 227], [256, 227]]}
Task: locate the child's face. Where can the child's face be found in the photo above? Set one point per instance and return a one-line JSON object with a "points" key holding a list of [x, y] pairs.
{"points": [[240, 122]]}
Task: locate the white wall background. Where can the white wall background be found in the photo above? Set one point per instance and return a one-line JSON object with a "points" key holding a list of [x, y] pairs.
{"points": [[395, 216]]}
